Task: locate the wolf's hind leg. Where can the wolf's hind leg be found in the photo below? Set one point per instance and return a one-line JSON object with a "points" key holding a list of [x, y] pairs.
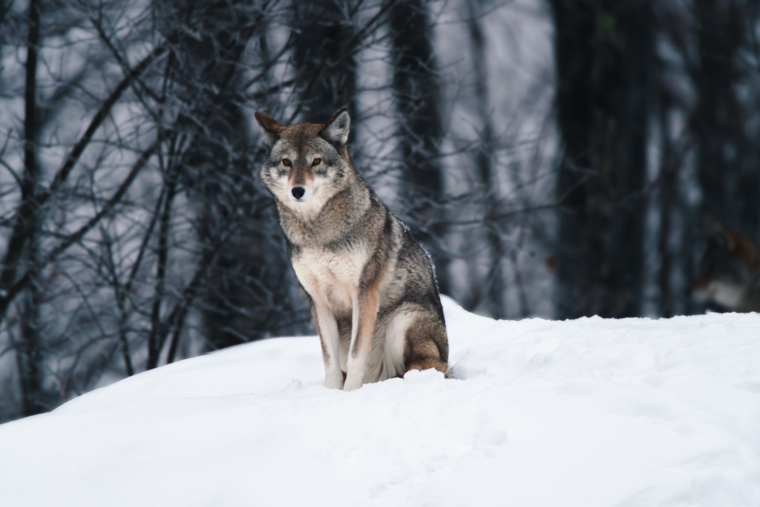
{"points": [[426, 346]]}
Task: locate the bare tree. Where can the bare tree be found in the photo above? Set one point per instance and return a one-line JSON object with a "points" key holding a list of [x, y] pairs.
{"points": [[417, 99], [324, 58], [603, 54], [728, 173], [24, 242], [485, 163]]}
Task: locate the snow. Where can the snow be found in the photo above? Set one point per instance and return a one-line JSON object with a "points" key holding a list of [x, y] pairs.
{"points": [[592, 412]]}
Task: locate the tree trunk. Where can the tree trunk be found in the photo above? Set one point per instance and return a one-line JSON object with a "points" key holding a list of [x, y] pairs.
{"points": [[727, 162], [603, 52], [668, 199], [496, 304], [417, 99], [324, 59], [29, 349]]}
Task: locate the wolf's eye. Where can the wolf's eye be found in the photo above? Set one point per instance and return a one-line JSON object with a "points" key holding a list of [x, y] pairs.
{"points": [[316, 161], [286, 162]]}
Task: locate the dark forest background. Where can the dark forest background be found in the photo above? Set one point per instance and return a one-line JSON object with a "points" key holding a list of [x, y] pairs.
{"points": [[556, 157]]}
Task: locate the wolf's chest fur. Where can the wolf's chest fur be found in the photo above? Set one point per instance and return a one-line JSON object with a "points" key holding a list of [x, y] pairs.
{"points": [[331, 275]]}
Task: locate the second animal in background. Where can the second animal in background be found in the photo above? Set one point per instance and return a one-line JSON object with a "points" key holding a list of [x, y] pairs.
{"points": [[372, 288], [729, 274]]}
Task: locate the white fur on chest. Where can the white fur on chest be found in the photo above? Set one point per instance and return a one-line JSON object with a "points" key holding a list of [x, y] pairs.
{"points": [[332, 277], [730, 296]]}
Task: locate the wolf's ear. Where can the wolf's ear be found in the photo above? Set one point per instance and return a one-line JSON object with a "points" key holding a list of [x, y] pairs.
{"points": [[717, 234], [270, 127], [336, 130]]}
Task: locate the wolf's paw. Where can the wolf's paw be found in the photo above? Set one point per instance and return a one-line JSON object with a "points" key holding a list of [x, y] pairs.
{"points": [[334, 381], [352, 383]]}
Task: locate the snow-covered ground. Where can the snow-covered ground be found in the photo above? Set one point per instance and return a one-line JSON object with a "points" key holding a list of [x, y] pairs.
{"points": [[584, 413]]}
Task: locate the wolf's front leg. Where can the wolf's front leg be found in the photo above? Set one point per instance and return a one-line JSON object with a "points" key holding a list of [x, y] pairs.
{"points": [[362, 330], [327, 327]]}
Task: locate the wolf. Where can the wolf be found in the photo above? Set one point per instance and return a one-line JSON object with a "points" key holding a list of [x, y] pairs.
{"points": [[729, 273], [371, 287]]}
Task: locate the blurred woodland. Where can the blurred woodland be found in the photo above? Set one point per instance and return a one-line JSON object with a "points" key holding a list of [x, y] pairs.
{"points": [[555, 157]]}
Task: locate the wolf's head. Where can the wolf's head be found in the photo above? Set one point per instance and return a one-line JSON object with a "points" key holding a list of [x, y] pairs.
{"points": [[307, 164], [725, 272]]}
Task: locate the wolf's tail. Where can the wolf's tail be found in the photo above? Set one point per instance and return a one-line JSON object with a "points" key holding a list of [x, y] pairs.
{"points": [[426, 364]]}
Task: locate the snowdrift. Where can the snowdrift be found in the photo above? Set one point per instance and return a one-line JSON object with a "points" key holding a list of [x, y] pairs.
{"points": [[587, 413]]}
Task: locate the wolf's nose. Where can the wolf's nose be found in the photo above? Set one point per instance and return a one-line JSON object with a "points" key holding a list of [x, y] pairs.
{"points": [[298, 192]]}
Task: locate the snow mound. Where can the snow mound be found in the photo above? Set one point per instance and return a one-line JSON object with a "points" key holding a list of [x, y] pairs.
{"points": [[592, 412]]}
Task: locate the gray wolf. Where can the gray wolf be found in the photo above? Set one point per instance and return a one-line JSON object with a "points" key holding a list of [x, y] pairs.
{"points": [[729, 273], [371, 287]]}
